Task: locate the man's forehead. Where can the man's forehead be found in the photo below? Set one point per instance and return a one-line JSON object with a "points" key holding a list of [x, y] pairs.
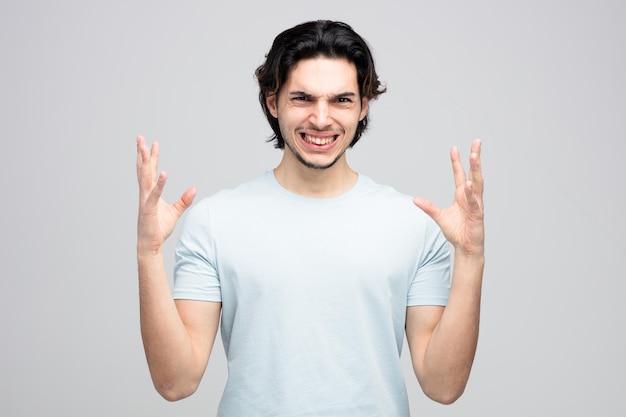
{"points": [[323, 76]]}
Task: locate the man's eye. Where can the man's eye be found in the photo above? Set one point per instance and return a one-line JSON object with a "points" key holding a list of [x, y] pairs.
{"points": [[344, 100], [300, 98]]}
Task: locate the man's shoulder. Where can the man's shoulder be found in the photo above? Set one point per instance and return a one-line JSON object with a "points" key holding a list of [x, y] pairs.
{"points": [[260, 185], [230, 202], [382, 192], [385, 201]]}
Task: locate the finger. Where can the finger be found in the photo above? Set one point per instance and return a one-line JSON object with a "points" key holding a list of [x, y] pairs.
{"points": [[427, 207], [154, 158], [475, 172], [474, 202], [149, 164], [457, 167], [185, 200], [141, 143], [476, 145], [157, 190], [144, 171]]}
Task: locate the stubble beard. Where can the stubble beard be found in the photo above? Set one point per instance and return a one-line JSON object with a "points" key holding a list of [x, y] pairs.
{"points": [[310, 164]]}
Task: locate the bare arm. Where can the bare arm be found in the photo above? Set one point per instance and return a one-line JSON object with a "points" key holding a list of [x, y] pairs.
{"points": [[178, 336], [443, 340]]}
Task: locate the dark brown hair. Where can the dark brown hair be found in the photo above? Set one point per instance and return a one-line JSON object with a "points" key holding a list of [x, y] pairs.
{"points": [[309, 40]]}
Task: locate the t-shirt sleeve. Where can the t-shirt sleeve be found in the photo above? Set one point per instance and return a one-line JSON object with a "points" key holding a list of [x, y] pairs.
{"points": [[431, 283], [195, 272]]}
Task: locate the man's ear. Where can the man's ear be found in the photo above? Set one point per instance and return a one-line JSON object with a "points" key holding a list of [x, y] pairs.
{"points": [[270, 101], [364, 107]]}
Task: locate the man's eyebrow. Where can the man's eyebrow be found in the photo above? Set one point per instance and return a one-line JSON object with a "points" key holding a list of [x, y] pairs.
{"points": [[305, 94], [299, 94]]}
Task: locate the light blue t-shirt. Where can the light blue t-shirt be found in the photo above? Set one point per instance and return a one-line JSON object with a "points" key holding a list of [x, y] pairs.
{"points": [[314, 294]]}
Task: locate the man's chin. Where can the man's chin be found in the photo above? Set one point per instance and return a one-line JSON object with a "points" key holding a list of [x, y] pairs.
{"points": [[317, 165]]}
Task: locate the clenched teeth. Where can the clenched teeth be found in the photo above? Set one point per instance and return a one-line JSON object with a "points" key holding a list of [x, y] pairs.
{"points": [[318, 141]]}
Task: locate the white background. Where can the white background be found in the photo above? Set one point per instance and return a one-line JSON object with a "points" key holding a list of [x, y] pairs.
{"points": [[542, 82]]}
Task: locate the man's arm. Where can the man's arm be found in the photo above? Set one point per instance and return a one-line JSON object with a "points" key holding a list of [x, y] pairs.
{"points": [[178, 336], [443, 340]]}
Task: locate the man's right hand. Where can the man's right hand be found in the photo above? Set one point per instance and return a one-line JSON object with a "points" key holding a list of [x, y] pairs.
{"points": [[177, 335], [156, 218]]}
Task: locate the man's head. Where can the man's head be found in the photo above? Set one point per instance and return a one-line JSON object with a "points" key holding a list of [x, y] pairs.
{"points": [[321, 38]]}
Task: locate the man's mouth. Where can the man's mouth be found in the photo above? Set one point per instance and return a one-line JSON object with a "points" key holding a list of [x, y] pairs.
{"points": [[316, 140]]}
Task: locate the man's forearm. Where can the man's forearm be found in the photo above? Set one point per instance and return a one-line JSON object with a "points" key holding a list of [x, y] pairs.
{"points": [[167, 344], [450, 353]]}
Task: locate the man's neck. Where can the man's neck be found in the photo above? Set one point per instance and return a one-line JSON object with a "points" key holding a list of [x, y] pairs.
{"points": [[315, 183]]}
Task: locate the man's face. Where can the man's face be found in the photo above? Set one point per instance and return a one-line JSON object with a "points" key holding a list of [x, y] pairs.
{"points": [[318, 110]]}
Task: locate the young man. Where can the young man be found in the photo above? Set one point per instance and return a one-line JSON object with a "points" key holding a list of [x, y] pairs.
{"points": [[317, 271]]}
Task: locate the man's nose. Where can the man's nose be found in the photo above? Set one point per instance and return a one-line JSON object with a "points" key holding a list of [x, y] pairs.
{"points": [[320, 116]]}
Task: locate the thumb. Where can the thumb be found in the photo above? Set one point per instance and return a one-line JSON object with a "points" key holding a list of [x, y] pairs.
{"points": [[185, 200], [427, 206]]}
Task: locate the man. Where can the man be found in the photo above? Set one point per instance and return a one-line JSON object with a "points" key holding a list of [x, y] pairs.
{"points": [[316, 270]]}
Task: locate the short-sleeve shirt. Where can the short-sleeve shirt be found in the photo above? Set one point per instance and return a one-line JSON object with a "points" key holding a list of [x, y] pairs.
{"points": [[314, 294]]}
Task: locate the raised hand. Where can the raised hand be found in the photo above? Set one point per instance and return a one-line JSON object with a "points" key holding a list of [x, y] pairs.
{"points": [[156, 218], [463, 222]]}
